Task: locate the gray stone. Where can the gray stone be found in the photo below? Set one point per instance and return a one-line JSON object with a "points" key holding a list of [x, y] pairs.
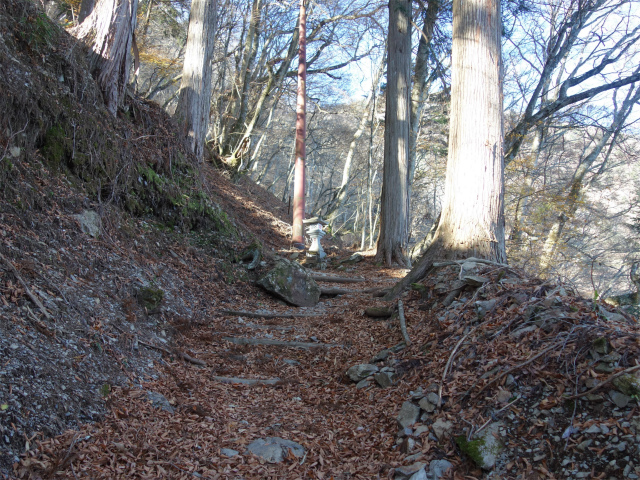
{"points": [[433, 398], [593, 429], [510, 380], [484, 307], [584, 445], [613, 316], [485, 448], [504, 396], [228, 452], [441, 428], [407, 445], [438, 468], [620, 399], [90, 223], [409, 414], [363, 384], [405, 432], [468, 268], [592, 397], [475, 280], [517, 334], [628, 384], [159, 401], [426, 405], [275, 449], [420, 430], [362, 371], [353, 259], [289, 281], [381, 355], [414, 471], [384, 379]]}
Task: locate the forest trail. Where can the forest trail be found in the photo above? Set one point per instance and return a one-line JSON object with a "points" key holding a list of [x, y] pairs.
{"points": [[189, 402]]}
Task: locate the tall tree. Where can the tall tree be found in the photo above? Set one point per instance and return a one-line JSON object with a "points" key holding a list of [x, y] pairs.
{"points": [[194, 97], [472, 219], [394, 214], [108, 32]]}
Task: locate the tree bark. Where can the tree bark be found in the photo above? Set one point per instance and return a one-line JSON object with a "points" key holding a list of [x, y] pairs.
{"points": [[395, 181], [108, 31], [194, 97], [472, 219]]}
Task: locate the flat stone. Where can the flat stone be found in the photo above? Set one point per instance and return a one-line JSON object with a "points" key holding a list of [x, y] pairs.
{"points": [[504, 396], [384, 379], [593, 429], [475, 280], [592, 397], [90, 223], [433, 398], [426, 405], [381, 356], [414, 471], [159, 401], [422, 429], [484, 449], [628, 384], [362, 371], [484, 307], [363, 384], [438, 468], [275, 449], [584, 445], [441, 428], [620, 399], [229, 452], [409, 414]]}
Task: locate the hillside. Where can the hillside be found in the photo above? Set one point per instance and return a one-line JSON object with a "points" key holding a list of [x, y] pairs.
{"points": [[124, 302]]}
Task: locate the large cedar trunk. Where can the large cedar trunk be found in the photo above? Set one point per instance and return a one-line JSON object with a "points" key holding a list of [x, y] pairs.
{"points": [[395, 181], [194, 98], [108, 31], [472, 220]]}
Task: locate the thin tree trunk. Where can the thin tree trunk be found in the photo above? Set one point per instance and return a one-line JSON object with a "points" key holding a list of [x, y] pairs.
{"points": [[194, 98], [472, 219], [108, 31], [394, 214], [297, 237]]}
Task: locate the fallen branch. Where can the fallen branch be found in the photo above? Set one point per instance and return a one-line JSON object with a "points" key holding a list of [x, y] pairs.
{"points": [[403, 324], [280, 343], [476, 260], [344, 291], [518, 367], [378, 312], [335, 279], [600, 385], [33, 298], [247, 381], [184, 356], [270, 315], [266, 327]]}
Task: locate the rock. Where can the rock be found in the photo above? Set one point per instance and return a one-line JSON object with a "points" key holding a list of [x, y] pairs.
{"points": [[363, 384], [415, 471], [593, 429], [613, 316], [433, 398], [407, 445], [420, 430], [517, 334], [289, 281], [408, 415], [384, 379], [475, 281], [510, 380], [438, 468], [504, 396], [228, 452], [275, 449], [604, 367], [485, 449], [482, 308], [90, 223], [441, 428], [378, 312], [381, 356], [149, 297], [159, 401], [584, 445], [405, 432], [468, 268], [628, 384], [620, 399], [362, 371], [601, 345], [353, 259], [426, 405]]}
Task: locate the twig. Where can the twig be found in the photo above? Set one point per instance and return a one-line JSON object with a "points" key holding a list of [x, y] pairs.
{"points": [[280, 343], [518, 367], [248, 381], [600, 385], [403, 324], [33, 298]]}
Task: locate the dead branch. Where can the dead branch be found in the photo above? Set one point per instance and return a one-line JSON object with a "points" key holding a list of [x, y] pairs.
{"points": [[403, 324], [270, 315], [247, 381], [33, 298], [335, 279], [518, 367], [184, 356], [344, 291], [600, 385], [280, 343]]}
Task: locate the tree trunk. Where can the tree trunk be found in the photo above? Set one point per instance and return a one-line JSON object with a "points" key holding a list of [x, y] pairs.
{"points": [[108, 31], [194, 97], [472, 219], [395, 181]]}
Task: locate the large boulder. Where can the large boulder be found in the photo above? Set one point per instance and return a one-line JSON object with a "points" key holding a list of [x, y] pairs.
{"points": [[289, 281], [275, 449]]}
